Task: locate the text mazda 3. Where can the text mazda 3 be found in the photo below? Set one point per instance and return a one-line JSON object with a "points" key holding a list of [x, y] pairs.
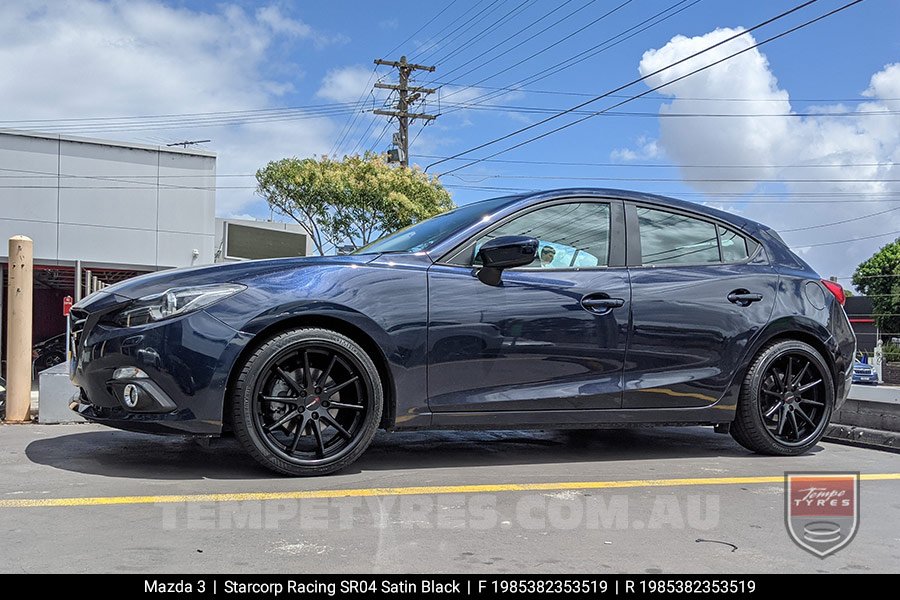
{"points": [[568, 308]]}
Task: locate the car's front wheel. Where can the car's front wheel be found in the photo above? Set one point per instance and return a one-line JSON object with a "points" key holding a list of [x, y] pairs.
{"points": [[307, 402], [786, 400]]}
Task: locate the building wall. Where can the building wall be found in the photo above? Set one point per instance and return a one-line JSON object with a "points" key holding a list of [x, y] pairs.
{"points": [[105, 203]]}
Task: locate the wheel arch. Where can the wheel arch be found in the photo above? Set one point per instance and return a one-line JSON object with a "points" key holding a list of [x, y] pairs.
{"points": [[792, 328], [336, 324]]}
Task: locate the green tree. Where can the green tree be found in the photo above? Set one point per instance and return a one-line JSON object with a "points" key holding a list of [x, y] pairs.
{"points": [[353, 201], [879, 278]]}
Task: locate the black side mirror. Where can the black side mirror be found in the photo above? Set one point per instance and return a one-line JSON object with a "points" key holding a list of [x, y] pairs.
{"points": [[505, 253]]}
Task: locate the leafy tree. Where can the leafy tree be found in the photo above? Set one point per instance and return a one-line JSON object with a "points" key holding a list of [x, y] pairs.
{"points": [[353, 201], [879, 278]]}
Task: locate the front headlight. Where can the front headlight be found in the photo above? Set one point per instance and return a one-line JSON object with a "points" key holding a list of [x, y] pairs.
{"points": [[174, 302]]}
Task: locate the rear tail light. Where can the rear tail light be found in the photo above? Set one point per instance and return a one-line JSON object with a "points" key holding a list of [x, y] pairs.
{"points": [[835, 288]]}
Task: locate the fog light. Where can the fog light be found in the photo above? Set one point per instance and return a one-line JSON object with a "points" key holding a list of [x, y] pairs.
{"points": [[131, 395], [129, 373]]}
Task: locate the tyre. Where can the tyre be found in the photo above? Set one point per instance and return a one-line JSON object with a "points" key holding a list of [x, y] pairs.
{"points": [[786, 400], [307, 402]]}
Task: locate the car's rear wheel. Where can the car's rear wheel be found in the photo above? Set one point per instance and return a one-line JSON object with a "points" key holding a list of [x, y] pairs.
{"points": [[786, 400], [307, 402]]}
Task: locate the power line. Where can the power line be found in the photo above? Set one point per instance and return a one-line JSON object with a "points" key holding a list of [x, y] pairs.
{"points": [[473, 178], [516, 34], [667, 115], [194, 123], [857, 239], [179, 115], [842, 221], [553, 45], [420, 29], [345, 131], [645, 77], [603, 46], [480, 35], [618, 89], [656, 165], [430, 50], [869, 276], [665, 97]]}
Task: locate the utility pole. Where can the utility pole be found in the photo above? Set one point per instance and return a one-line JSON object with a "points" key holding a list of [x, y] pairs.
{"points": [[407, 96]]}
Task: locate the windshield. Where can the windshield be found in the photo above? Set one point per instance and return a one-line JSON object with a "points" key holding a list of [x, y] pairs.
{"points": [[425, 234]]}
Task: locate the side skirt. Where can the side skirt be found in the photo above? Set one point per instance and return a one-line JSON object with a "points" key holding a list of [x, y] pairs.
{"points": [[571, 419]]}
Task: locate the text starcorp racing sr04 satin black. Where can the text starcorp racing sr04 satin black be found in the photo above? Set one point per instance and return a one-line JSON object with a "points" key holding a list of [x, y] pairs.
{"points": [[567, 308]]}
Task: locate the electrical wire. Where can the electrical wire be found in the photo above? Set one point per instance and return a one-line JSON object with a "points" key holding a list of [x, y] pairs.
{"points": [[603, 46], [513, 36], [656, 72], [658, 165], [551, 46], [423, 55]]}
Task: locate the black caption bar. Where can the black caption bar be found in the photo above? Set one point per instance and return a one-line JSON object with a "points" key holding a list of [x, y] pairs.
{"points": [[308, 587]]}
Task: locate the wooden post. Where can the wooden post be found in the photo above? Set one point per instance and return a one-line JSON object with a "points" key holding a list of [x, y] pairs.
{"points": [[18, 340]]}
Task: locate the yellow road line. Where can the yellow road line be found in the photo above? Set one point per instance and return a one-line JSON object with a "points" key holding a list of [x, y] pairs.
{"points": [[408, 491]]}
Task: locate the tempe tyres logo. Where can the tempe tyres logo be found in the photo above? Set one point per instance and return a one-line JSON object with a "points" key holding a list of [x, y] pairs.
{"points": [[821, 510]]}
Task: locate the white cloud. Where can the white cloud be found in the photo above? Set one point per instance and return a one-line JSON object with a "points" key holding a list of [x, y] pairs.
{"points": [[92, 58], [346, 84], [280, 23], [770, 147], [646, 149]]}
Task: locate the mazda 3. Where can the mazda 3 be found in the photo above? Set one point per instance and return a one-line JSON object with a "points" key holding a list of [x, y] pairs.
{"points": [[577, 308]]}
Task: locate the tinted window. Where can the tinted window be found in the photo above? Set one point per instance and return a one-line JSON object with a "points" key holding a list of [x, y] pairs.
{"points": [[734, 246], [672, 239], [569, 235]]}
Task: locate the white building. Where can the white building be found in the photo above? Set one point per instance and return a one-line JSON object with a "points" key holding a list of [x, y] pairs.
{"points": [[105, 203], [115, 210]]}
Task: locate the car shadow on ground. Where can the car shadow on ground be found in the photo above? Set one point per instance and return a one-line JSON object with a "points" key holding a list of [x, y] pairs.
{"points": [[139, 456]]}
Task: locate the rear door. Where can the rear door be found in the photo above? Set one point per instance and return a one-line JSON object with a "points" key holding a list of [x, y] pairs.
{"points": [[552, 336], [701, 292]]}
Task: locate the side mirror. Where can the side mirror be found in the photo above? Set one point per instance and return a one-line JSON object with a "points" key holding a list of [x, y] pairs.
{"points": [[505, 253]]}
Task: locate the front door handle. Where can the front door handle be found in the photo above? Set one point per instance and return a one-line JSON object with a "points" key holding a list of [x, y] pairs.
{"points": [[743, 297], [601, 303]]}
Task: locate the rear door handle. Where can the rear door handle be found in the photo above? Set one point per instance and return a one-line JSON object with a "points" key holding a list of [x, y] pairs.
{"points": [[743, 297], [601, 304]]}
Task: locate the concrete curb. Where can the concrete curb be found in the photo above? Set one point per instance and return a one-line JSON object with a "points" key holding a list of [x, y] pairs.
{"points": [[863, 437]]}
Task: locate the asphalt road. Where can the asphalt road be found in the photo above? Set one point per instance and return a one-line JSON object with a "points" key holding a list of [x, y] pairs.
{"points": [[83, 498]]}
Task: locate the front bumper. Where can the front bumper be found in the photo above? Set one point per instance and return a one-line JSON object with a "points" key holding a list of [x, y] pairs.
{"points": [[186, 360], [865, 378]]}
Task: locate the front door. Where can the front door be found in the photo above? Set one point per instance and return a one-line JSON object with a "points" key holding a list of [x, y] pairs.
{"points": [[552, 335]]}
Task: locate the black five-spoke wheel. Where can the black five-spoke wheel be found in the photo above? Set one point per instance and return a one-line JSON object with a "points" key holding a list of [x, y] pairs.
{"points": [[307, 402], [786, 400]]}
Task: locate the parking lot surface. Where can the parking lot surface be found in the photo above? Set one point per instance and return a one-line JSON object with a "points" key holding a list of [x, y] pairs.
{"points": [[84, 498]]}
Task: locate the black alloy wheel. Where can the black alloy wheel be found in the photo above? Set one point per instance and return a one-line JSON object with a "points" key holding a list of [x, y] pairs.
{"points": [[792, 403], [786, 400], [307, 402]]}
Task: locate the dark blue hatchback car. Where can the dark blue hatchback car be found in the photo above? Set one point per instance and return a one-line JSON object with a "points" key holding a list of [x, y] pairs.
{"points": [[569, 308]]}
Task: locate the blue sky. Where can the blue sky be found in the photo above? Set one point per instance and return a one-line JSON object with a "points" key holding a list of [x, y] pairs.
{"points": [[98, 59]]}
